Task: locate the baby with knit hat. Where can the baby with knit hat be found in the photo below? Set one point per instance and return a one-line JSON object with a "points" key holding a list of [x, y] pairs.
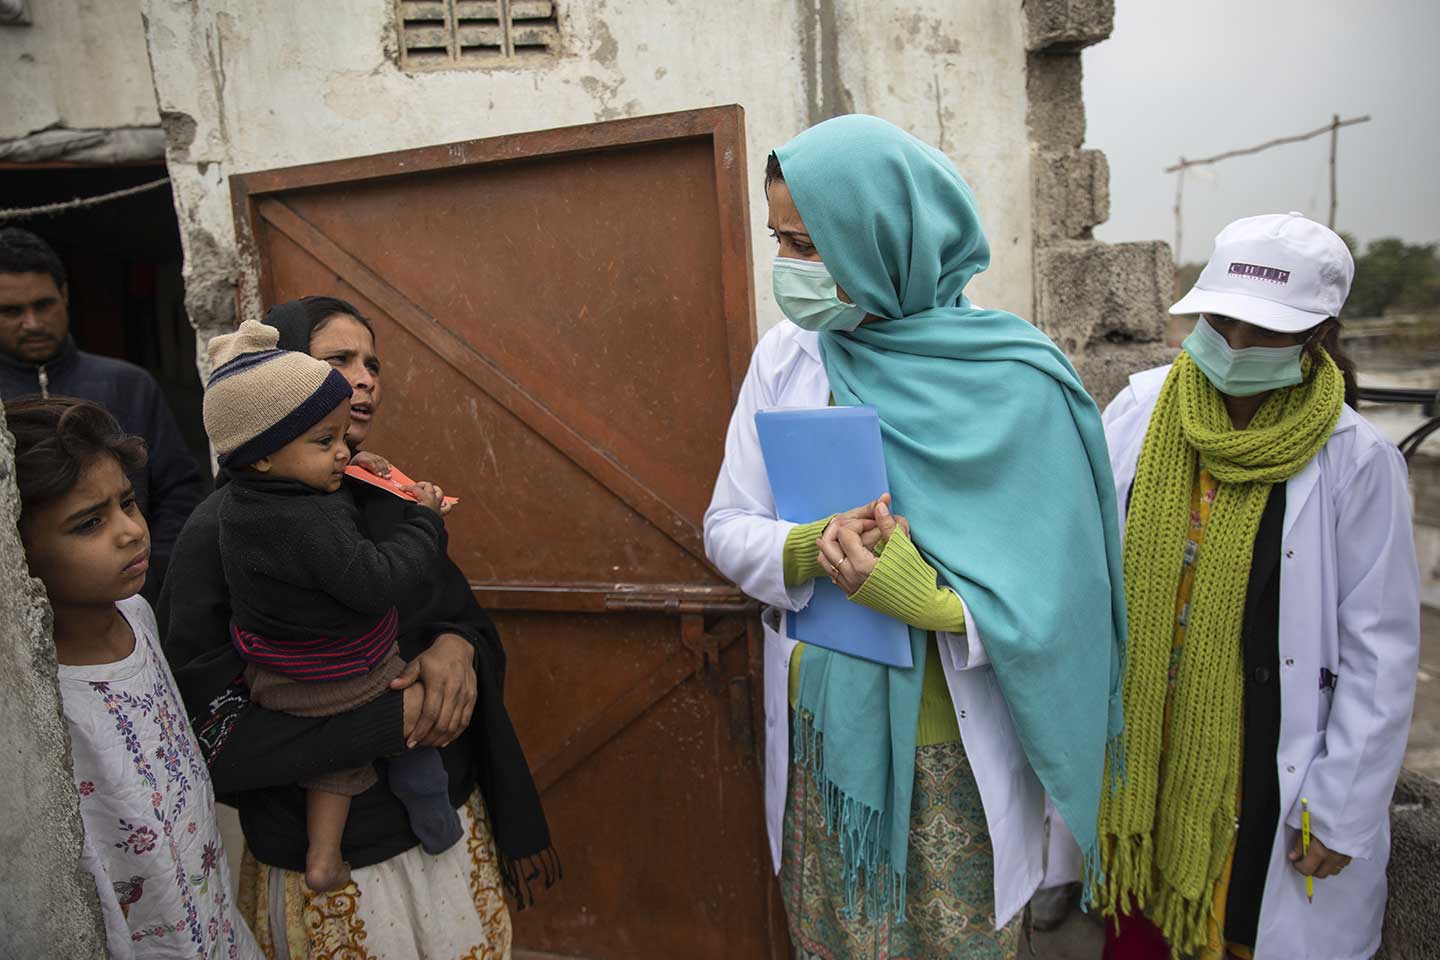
{"points": [[313, 601]]}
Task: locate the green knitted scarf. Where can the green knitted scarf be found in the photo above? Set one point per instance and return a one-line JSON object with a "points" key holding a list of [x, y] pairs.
{"points": [[1166, 830]]}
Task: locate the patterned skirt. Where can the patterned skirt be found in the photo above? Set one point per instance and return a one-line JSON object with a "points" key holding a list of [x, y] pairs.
{"points": [[950, 874], [446, 907]]}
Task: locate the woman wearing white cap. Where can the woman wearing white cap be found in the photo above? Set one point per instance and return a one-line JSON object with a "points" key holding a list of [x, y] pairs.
{"points": [[1273, 603]]}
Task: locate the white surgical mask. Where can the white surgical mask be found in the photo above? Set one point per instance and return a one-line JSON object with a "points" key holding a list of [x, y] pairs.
{"points": [[1244, 372], [809, 296]]}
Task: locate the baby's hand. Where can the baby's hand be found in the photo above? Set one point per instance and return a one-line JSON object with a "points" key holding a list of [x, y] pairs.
{"points": [[372, 462], [427, 495]]}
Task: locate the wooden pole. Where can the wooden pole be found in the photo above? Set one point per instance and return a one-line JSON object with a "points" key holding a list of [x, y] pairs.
{"points": [[1334, 145], [1179, 195], [1333, 128], [1271, 143]]}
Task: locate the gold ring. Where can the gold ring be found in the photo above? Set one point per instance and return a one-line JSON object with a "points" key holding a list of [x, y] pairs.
{"points": [[843, 561]]}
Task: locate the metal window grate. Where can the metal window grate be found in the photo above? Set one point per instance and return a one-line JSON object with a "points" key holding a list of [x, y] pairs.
{"points": [[436, 34]]}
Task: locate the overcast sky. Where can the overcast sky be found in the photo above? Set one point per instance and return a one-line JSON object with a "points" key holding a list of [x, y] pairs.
{"points": [[1179, 77]]}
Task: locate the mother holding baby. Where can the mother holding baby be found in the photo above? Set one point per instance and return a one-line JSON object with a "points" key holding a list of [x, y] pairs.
{"points": [[401, 901], [912, 821]]}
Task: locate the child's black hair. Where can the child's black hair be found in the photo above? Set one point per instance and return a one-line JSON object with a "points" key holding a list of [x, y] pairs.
{"points": [[56, 438]]}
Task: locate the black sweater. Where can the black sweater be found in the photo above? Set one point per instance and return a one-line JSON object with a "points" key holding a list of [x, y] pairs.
{"points": [[170, 485], [299, 568], [256, 756]]}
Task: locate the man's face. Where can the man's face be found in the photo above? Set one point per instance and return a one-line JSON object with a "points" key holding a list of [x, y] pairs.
{"points": [[33, 321]]}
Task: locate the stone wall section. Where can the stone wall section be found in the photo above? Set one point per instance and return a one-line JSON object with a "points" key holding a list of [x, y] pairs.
{"points": [[1412, 922], [1103, 303], [50, 907]]}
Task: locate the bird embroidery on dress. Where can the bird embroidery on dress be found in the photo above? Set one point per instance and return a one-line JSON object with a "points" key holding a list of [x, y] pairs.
{"points": [[128, 891]]}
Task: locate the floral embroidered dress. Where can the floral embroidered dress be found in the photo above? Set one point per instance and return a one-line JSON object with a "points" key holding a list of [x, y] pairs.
{"points": [[148, 808]]}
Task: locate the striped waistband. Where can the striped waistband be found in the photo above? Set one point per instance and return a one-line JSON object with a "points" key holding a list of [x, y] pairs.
{"points": [[318, 658]]}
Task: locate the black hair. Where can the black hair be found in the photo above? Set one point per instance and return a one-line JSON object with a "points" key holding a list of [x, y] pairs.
{"points": [[773, 172], [56, 438], [319, 310], [23, 252], [299, 320], [1327, 335]]}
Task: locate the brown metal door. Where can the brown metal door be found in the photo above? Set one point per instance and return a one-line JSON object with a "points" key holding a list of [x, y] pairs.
{"points": [[565, 318]]}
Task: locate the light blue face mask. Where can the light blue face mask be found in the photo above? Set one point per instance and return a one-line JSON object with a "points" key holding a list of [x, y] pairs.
{"points": [[1244, 372], [809, 296]]}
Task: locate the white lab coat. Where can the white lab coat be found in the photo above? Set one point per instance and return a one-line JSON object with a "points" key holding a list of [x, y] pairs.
{"points": [[745, 540], [1349, 603]]}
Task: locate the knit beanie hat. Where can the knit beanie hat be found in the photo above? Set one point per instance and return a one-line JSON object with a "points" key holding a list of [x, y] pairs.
{"points": [[260, 397]]}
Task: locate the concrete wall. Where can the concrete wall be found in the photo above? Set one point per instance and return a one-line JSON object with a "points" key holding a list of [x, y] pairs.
{"points": [[50, 908], [250, 84], [1104, 304], [1412, 922], [81, 64]]}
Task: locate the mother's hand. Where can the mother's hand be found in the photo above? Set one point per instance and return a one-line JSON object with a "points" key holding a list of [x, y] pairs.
{"points": [[447, 673], [847, 547]]}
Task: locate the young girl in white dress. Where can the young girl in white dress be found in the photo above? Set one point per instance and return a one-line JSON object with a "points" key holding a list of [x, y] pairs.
{"points": [[151, 840]]}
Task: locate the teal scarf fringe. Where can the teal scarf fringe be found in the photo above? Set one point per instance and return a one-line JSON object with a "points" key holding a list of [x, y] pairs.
{"points": [[863, 833]]}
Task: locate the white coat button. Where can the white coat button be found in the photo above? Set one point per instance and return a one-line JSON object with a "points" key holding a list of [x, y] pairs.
{"points": [[1289, 554], [1290, 769], [1289, 661]]}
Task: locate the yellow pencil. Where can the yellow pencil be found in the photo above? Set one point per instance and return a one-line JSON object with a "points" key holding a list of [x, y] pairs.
{"points": [[1305, 845]]}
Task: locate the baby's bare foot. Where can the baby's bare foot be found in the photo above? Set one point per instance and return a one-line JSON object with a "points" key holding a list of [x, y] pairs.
{"points": [[325, 872]]}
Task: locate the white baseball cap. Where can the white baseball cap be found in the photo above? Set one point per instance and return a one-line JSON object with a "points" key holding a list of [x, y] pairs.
{"points": [[1279, 271]]}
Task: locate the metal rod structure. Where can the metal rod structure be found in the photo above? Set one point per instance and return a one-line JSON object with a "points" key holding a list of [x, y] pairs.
{"points": [[1268, 144], [1332, 128]]}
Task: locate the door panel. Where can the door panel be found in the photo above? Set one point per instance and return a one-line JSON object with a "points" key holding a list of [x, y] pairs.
{"points": [[564, 319]]}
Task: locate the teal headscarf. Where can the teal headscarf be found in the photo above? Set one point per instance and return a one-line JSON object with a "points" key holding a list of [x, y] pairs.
{"points": [[997, 456]]}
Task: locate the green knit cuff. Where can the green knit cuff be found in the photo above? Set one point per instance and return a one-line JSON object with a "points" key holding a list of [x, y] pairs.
{"points": [[903, 586], [801, 557]]}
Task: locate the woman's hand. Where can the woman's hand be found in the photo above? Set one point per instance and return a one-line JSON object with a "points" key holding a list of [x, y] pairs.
{"points": [[847, 548], [427, 495], [414, 702], [1320, 862], [371, 462], [447, 674]]}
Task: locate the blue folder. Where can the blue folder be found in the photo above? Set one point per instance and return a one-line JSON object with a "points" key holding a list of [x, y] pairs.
{"points": [[824, 461]]}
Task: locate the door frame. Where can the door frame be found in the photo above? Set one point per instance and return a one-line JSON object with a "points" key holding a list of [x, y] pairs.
{"points": [[724, 126], [710, 616]]}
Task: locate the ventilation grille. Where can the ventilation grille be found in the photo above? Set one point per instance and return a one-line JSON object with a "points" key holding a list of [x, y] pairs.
{"points": [[465, 33]]}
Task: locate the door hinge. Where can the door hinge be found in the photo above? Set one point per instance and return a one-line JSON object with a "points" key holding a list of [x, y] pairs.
{"points": [[707, 640]]}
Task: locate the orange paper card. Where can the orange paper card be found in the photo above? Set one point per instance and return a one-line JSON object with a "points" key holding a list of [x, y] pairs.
{"points": [[392, 483]]}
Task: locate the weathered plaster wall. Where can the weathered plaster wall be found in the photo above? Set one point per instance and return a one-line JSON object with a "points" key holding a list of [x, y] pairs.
{"points": [[50, 908], [249, 84], [80, 65]]}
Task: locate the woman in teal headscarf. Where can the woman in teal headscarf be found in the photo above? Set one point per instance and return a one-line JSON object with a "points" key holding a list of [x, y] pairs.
{"points": [[914, 814]]}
